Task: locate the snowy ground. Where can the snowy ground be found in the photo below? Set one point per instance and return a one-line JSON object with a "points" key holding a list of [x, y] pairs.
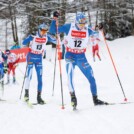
{"points": [[17, 118]]}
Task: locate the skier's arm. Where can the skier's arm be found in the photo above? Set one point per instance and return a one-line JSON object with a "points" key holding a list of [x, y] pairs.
{"points": [[4, 56], [92, 32], [96, 34], [51, 39], [27, 40], [61, 29]]}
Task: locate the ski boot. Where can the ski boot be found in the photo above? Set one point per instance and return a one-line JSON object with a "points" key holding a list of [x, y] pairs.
{"points": [[94, 59], [98, 102], [73, 100], [2, 84], [39, 99], [14, 80], [8, 80], [26, 96]]}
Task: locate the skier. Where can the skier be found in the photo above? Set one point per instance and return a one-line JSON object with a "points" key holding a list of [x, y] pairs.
{"points": [[12, 63], [3, 69], [95, 47], [34, 58], [77, 35]]}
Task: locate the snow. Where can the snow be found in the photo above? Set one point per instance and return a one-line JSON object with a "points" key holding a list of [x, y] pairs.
{"points": [[17, 118]]}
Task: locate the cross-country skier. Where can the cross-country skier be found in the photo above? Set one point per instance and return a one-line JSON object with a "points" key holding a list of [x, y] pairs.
{"points": [[77, 35], [3, 59], [95, 47], [34, 58], [12, 63]]}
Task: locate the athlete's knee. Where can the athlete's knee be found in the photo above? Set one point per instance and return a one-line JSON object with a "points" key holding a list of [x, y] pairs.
{"points": [[91, 76]]}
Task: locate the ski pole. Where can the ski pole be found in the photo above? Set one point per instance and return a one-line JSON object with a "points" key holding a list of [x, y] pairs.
{"points": [[54, 71], [59, 58], [24, 75], [23, 81], [125, 99]]}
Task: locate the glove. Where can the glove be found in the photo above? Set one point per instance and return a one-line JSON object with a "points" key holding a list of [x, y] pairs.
{"points": [[56, 14], [100, 26], [5, 69], [96, 27]]}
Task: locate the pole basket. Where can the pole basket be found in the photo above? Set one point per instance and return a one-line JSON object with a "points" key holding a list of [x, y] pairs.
{"points": [[62, 107], [125, 99]]}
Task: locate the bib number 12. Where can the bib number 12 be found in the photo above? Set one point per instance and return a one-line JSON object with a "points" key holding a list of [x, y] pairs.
{"points": [[77, 43]]}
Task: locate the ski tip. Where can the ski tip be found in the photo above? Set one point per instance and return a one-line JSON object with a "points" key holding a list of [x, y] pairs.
{"points": [[62, 107], [125, 99], [35, 103], [106, 103]]}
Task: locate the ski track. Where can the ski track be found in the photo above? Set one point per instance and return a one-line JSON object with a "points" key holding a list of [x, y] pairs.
{"points": [[17, 118]]}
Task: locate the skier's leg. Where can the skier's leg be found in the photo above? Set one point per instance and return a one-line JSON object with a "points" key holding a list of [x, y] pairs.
{"points": [[1, 81], [70, 65], [39, 71], [97, 53], [70, 74], [88, 72], [28, 79], [13, 70], [93, 52], [8, 74]]}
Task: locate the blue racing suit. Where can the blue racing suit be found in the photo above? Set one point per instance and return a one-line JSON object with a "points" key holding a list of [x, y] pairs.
{"points": [[3, 59], [34, 57], [75, 52]]}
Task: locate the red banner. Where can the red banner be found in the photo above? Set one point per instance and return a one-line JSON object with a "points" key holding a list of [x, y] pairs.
{"points": [[21, 53]]}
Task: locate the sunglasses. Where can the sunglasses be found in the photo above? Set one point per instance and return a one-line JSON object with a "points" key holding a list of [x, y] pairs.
{"points": [[44, 30], [82, 24], [7, 53], [82, 21]]}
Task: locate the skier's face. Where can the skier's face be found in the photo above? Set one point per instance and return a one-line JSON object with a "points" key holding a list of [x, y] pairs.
{"points": [[81, 26], [43, 31], [8, 53]]}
